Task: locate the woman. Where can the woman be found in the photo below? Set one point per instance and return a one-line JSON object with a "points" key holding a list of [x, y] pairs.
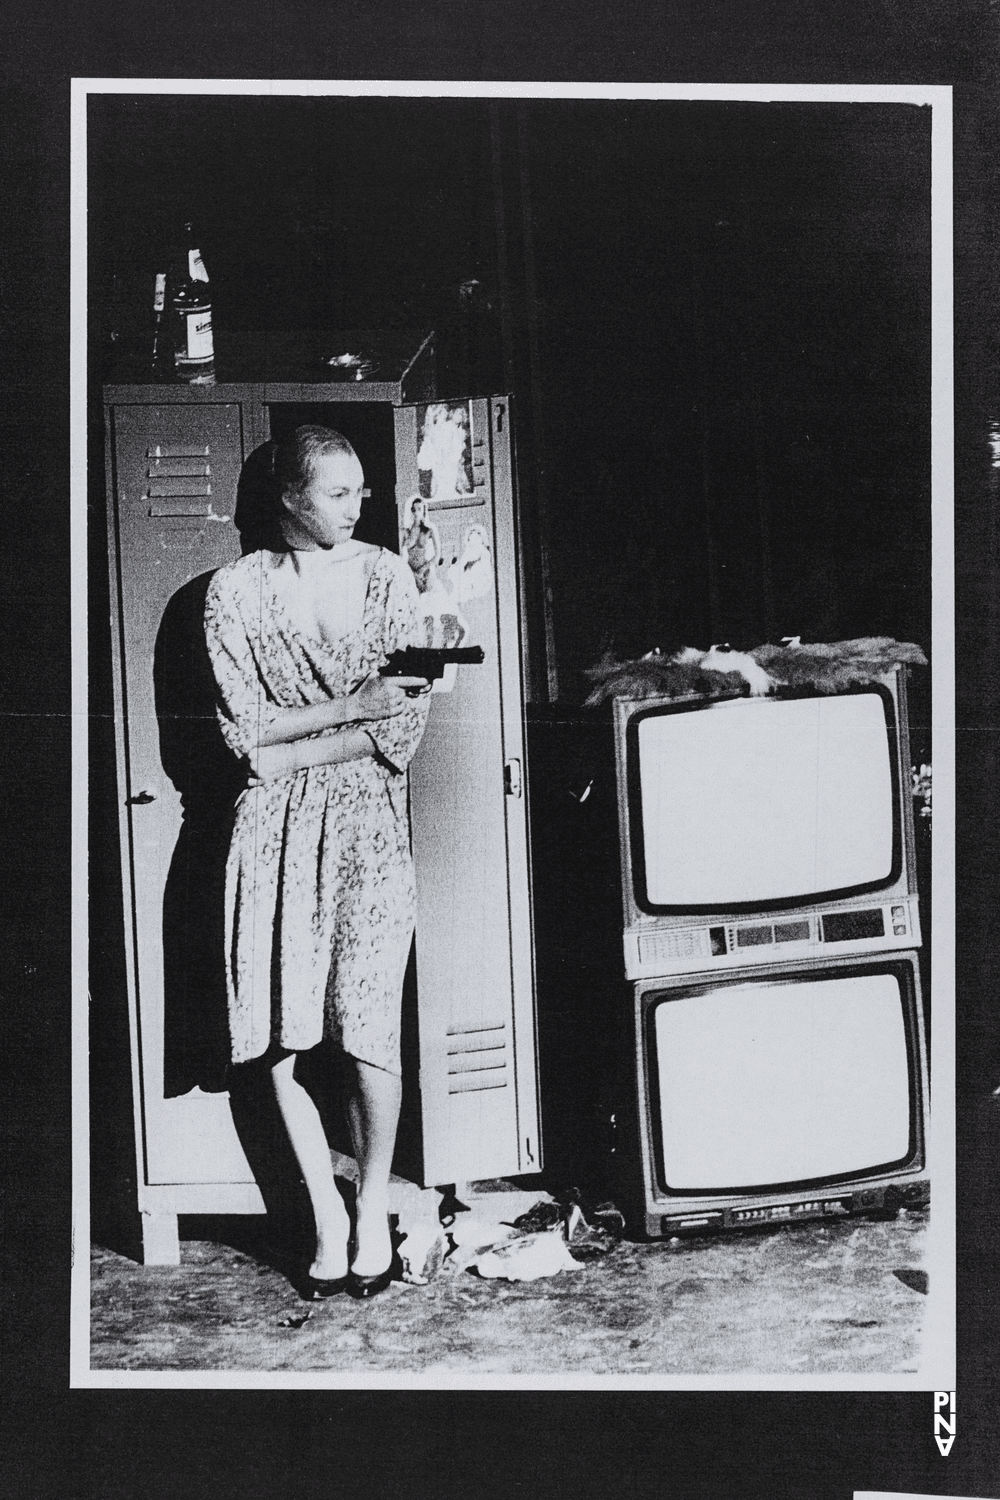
{"points": [[319, 885]]}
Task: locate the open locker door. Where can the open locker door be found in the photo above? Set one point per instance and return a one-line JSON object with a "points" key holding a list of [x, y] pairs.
{"points": [[475, 975]]}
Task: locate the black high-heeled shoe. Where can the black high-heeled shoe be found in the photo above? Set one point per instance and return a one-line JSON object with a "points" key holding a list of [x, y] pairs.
{"points": [[370, 1286], [316, 1288]]}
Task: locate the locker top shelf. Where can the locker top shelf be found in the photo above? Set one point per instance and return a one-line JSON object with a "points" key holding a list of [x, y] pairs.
{"points": [[394, 365]]}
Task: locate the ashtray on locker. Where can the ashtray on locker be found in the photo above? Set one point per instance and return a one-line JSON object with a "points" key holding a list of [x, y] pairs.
{"points": [[350, 366]]}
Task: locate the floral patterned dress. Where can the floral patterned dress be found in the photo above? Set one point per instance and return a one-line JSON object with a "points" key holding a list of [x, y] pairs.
{"points": [[319, 883]]}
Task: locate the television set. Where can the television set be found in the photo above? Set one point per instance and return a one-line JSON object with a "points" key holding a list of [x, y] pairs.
{"points": [[761, 829], [777, 1093]]}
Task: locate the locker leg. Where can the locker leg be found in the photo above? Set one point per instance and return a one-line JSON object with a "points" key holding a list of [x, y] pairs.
{"points": [[161, 1245], [452, 1199]]}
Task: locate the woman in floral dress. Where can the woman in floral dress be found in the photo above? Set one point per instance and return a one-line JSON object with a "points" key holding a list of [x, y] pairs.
{"points": [[319, 887]]}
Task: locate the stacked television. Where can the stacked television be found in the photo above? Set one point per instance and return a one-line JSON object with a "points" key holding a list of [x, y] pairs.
{"points": [[771, 931]]}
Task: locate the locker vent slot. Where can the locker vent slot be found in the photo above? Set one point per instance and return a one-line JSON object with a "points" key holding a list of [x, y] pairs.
{"points": [[201, 508], [178, 450], [477, 1060], [476, 1083]]}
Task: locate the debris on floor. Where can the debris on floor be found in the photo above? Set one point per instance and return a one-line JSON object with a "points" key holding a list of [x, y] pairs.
{"points": [[589, 1241], [473, 1236], [527, 1258], [542, 1215], [816, 1298], [298, 1321], [422, 1249], [548, 1237]]}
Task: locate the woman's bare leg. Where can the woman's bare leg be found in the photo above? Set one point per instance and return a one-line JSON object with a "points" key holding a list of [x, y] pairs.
{"points": [[312, 1152], [373, 1113]]}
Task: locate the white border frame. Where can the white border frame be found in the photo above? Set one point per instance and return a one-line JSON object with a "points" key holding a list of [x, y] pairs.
{"points": [[937, 1371]]}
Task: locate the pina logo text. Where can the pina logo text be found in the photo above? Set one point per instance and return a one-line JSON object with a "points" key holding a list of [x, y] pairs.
{"points": [[944, 1420]]}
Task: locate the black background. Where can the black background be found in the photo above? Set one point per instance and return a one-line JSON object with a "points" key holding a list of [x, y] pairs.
{"points": [[715, 317], [107, 1443]]}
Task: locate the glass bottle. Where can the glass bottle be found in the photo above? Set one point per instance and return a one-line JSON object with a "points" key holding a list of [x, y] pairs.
{"points": [[194, 353], [161, 360]]}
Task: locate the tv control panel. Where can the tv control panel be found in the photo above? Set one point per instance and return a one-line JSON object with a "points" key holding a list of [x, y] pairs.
{"points": [[729, 942]]}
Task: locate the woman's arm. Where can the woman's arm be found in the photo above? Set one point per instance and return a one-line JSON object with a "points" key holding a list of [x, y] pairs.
{"points": [[376, 698], [285, 758], [291, 724], [279, 753]]}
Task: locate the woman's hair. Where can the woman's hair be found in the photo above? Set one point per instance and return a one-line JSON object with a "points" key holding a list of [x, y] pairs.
{"points": [[294, 455]]}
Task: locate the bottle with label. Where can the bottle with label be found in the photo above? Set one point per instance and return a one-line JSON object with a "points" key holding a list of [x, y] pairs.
{"points": [[194, 353]]}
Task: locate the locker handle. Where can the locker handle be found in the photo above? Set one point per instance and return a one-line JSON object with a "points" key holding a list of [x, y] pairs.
{"points": [[512, 777], [141, 799]]}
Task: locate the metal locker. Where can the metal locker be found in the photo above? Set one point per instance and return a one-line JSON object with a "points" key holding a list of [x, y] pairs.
{"points": [[174, 466]]}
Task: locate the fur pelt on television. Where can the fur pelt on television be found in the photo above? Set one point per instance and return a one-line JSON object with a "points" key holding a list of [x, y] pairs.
{"points": [[831, 667]]}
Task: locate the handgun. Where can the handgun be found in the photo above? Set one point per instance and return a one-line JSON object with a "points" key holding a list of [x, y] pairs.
{"points": [[428, 662]]}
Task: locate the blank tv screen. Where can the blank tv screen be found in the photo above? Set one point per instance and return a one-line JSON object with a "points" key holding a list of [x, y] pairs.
{"points": [[753, 802], [779, 1082]]}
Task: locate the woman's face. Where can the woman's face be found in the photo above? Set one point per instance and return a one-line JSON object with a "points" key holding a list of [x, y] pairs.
{"points": [[325, 510]]}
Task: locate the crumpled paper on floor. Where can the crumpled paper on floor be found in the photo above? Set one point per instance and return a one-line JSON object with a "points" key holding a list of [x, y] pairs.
{"points": [[428, 1247], [473, 1235], [422, 1250], [527, 1258]]}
